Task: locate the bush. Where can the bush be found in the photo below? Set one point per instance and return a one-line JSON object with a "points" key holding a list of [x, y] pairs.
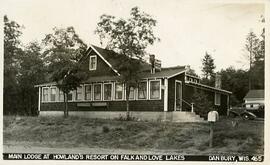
{"points": [[124, 118], [105, 129], [202, 105]]}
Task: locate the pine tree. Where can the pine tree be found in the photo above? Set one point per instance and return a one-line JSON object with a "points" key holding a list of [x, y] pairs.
{"points": [[208, 70]]}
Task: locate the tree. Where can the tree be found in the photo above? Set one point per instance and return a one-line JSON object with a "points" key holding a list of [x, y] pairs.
{"points": [[191, 72], [12, 50], [255, 46], [128, 37], [251, 42], [235, 81], [63, 51], [208, 70], [68, 76], [31, 72]]}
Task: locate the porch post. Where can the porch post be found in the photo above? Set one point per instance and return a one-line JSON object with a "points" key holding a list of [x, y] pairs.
{"points": [[166, 95], [39, 99], [228, 104]]}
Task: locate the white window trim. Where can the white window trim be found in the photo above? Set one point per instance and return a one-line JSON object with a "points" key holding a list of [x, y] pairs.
{"points": [[90, 61], [43, 94], [146, 90], [159, 98], [101, 91], [76, 92], [216, 98], [59, 91], [91, 92], [53, 87], [72, 93], [123, 91], [134, 94], [104, 91]]}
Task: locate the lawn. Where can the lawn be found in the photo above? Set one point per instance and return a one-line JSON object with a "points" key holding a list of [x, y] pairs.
{"points": [[185, 138]]}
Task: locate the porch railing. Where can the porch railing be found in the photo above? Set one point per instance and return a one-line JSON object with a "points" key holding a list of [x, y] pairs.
{"points": [[189, 104]]}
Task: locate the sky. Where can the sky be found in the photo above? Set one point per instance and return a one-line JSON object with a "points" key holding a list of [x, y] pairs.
{"points": [[187, 29]]}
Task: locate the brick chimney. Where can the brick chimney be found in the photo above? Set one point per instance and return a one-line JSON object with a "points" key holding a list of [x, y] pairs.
{"points": [[155, 63], [218, 81]]}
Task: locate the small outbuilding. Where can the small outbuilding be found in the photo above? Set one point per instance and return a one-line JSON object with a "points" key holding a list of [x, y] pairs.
{"points": [[255, 96]]}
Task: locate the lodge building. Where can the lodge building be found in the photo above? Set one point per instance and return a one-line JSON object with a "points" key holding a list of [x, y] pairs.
{"points": [[161, 94]]}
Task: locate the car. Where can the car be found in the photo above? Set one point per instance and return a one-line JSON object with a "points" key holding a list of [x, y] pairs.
{"points": [[248, 111]]}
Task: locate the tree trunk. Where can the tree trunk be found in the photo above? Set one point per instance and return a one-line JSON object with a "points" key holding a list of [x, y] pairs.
{"points": [[66, 105], [127, 101]]}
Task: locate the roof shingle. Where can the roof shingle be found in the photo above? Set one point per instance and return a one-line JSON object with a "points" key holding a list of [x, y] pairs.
{"points": [[255, 94]]}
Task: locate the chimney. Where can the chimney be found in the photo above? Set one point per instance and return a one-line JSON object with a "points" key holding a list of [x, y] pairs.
{"points": [[152, 62], [155, 63], [218, 81]]}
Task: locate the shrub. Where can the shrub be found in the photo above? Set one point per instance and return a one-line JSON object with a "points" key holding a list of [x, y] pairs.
{"points": [[202, 105], [105, 129]]}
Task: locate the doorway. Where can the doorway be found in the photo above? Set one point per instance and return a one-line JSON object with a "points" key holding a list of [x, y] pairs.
{"points": [[178, 96]]}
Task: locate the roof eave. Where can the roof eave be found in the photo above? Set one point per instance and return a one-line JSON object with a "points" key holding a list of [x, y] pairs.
{"points": [[206, 86]]}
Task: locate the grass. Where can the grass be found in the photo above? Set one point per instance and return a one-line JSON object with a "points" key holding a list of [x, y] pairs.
{"points": [[187, 138]]}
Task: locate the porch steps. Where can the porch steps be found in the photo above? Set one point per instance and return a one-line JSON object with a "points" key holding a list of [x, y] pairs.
{"points": [[182, 116]]}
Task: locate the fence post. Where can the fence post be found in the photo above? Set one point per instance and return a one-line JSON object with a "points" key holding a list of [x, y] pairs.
{"points": [[192, 108]]}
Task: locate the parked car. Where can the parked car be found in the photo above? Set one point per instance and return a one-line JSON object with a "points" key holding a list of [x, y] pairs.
{"points": [[248, 111]]}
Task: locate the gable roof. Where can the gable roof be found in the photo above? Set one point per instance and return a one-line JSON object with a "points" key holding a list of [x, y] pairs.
{"points": [[113, 59], [255, 94], [101, 53]]}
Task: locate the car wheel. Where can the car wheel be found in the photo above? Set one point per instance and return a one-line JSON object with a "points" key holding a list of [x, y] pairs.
{"points": [[245, 117]]}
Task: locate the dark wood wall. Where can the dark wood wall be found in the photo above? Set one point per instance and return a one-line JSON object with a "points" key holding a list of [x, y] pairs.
{"points": [[103, 69], [222, 108]]}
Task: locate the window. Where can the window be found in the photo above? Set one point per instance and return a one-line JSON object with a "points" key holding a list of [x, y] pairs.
{"points": [[142, 90], [118, 91], [53, 94], [97, 91], [107, 91], [61, 95], [93, 62], [88, 89], [217, 98], [79, 93], [45, 95], [154, 89], [69, 97], [131, 93]]}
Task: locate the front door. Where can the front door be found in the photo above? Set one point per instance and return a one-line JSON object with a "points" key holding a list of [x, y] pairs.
{"points": [[178, 96]]}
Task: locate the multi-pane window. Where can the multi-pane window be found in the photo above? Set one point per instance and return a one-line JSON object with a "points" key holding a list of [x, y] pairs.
{"points": [[97, 91], [53, 94], [79, 93], [93, 62], [69, 96], [154, 89], [131, 93], [217, 98], [142, 90], [45, 96], [107, 91], [61, 95], [119, 91], [87, 90]]}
